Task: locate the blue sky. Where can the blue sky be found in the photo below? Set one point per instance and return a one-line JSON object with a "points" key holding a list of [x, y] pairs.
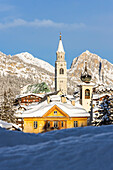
{"points": [[34, 26]]}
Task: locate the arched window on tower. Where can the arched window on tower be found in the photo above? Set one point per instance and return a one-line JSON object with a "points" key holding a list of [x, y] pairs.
{"points": [[61, 71], [87, 94]]}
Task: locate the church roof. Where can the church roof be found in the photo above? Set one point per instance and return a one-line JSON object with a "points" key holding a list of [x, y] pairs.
{"points": [[60, 46]]}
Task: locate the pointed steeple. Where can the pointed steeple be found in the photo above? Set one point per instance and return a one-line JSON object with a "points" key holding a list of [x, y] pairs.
{"points": [[60, 46], [60, 69]]}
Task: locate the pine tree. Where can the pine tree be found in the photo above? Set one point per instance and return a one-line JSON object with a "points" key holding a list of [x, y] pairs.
{"points": [[7, 110], [104, 117], [38, 88]]}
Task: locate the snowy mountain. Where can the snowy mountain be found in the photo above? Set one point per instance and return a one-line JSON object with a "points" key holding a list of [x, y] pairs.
{"points": [[22, 69], [85, 148], [28, 58], [100, 69]]}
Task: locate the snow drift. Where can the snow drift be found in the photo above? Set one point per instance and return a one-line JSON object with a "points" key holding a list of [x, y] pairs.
{"points": [[80, 148]]}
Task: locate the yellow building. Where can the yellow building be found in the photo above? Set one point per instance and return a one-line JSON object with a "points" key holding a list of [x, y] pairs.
{"points": [[54, 113]]}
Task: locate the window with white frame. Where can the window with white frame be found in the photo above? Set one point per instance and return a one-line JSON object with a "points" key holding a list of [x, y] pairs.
{"points": [[75, 123], [35, 124], [55, 112]]}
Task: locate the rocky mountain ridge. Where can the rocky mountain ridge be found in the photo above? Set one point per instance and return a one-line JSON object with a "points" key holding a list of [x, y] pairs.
{"points": [[100, 69], [22, 69]]}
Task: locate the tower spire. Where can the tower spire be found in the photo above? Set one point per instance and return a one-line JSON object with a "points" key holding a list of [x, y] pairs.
{"points": [[85, 66], [60, 46], [60, 36], [60, 69]]}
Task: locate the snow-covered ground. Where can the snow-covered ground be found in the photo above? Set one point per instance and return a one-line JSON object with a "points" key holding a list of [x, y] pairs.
{"points": [[9, 126], [86, 148]]}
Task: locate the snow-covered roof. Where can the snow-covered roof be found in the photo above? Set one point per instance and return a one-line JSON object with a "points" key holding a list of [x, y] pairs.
{"points": [[30, 106], [53, 93], [55, 98], [22, 106], [42, 108], [86, 84], [30, 94], [60, 47], [97, 96], [70, 97]]}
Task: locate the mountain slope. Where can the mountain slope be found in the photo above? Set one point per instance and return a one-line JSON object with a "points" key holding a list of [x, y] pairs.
{"points": [[28, 58], [100, 69], [22, 69]]}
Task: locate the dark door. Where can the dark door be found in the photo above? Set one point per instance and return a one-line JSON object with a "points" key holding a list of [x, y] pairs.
{"points": [[55, 124]]}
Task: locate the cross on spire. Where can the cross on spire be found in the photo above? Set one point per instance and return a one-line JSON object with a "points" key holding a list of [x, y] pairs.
{"points": [[60, 36], [60, 46]]}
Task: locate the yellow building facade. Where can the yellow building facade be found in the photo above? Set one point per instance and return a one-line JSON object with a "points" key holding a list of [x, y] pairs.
{"points": [[54, 119]]}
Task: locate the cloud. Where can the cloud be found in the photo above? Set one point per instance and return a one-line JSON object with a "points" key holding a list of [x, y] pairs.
{"points": [[40, 23], [4, 8]]}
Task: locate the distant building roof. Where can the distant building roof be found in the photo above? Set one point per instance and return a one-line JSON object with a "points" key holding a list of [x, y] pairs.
{"points": [[98, 96], [30, 94]]}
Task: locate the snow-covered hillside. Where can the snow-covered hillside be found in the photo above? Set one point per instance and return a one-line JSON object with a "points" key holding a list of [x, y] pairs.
{"points": [[23, 69], [100, 69], [85, 148], [28, 58]]}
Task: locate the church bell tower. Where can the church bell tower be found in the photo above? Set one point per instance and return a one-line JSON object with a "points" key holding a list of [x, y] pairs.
{"points": [[60, 69], [86, 90]]}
